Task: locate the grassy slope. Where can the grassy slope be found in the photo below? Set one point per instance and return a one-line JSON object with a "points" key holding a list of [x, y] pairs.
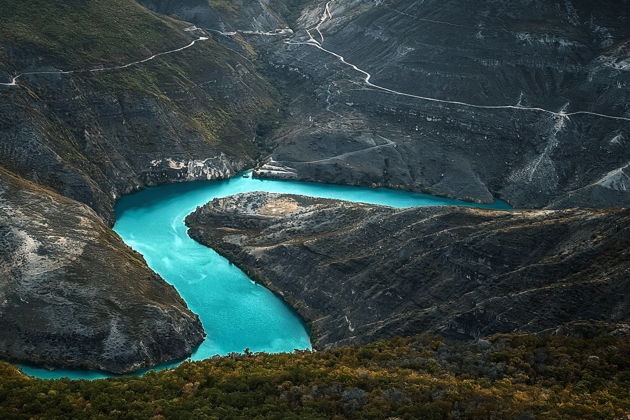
{"points": [[423, 377], [83, 34]]}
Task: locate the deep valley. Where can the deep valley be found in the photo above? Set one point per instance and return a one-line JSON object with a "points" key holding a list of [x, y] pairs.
{"points": [[512, 117]]}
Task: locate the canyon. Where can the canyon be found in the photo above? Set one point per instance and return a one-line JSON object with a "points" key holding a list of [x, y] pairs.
{"points": [[524, 101]]}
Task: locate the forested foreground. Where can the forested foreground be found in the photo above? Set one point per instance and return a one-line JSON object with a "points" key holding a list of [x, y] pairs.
{"points": [[424, 377]]}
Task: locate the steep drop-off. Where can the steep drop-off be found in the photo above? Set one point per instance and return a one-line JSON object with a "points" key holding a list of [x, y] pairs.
{"points": [[358, 272], [93, 136], [73, 295]]}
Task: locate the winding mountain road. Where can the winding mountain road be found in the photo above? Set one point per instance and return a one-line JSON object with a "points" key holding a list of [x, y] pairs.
{"points": [[327, 15], [388, 143], [13, 81]]}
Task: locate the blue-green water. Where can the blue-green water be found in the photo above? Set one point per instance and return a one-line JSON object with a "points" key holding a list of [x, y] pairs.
{"points": [[236, 312]]}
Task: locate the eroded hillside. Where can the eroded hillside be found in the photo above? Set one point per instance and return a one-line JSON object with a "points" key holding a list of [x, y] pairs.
{"points": [[525, 100], [359, 272], [99, 99]]}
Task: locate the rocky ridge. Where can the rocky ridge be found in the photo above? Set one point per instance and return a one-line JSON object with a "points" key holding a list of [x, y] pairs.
{"points": [[359, 272]]}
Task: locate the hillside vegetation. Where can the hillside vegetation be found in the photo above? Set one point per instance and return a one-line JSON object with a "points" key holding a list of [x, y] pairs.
{"points": [[81, 32], [516, 376]]}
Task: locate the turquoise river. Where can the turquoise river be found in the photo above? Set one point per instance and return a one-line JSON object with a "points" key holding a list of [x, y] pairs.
{"points": [[236, 312]]}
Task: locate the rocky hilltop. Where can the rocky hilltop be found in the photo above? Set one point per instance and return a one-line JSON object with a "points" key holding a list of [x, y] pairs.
{"points": [[359, 272]]}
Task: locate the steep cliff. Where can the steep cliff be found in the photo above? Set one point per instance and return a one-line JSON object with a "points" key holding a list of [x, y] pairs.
{"points": [[94, 135], [73, 295], [359, 272]]}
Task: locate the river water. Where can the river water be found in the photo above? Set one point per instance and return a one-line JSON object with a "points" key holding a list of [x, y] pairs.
{"points": [[236, 312]]}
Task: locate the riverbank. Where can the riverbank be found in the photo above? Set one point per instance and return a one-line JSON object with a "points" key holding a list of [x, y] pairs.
{"points": [[359, 272]]}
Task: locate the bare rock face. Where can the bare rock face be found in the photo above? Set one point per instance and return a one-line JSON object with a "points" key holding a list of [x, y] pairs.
{"points": [[438, 112], [73, 295], [358, 272]]}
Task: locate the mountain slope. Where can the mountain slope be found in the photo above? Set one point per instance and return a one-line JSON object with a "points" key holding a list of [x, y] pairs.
{"points": [[73, 295], [469, 96], [358, 272], [110, 98], [93, 136]]}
